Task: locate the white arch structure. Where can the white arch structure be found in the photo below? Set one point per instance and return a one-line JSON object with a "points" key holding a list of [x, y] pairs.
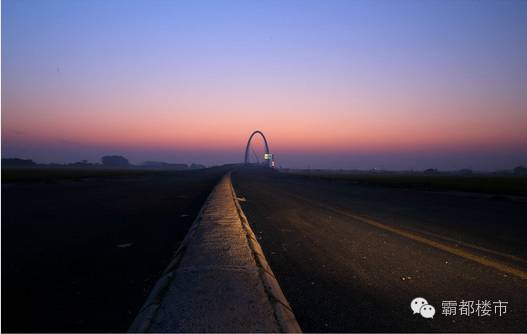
{"points": [[268, 155]]}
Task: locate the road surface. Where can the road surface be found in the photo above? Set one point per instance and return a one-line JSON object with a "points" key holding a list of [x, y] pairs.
{"points": [[80, 255], [351, 258]]}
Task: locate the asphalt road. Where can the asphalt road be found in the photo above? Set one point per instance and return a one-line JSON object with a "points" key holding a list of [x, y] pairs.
{"points": [[81, 255], [352, 258]]}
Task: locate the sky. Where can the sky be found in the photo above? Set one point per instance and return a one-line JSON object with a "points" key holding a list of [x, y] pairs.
{"points": [[332, 84]]}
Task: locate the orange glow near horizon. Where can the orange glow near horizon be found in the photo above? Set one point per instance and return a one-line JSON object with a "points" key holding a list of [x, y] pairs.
{"points": [[221, 125]]}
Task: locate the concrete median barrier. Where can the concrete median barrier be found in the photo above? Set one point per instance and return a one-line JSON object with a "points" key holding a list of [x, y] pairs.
{"points": [[219, 280]]}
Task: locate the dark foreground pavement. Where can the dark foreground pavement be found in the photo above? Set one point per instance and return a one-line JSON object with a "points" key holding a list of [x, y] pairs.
{"points": [[81, 255], [351, 258]]}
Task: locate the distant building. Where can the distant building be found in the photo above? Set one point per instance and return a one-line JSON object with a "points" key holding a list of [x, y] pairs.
{"points": [[115, 161], [431, 171]]}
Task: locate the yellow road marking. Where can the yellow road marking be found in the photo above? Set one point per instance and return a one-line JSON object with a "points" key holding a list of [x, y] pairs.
{"points": [[452, 250], [469, 245]]}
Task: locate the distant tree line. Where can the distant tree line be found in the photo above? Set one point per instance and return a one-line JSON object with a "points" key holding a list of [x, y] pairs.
{"points": [[109, 161], [517, 171], [118, 161], [115, 161], [16, 162]]}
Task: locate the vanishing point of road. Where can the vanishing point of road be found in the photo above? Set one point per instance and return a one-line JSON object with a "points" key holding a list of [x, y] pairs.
{"points": [[352, 257]]}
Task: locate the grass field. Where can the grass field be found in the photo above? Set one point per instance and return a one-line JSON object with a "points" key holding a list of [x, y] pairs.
{"points": [[478, 183]]}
